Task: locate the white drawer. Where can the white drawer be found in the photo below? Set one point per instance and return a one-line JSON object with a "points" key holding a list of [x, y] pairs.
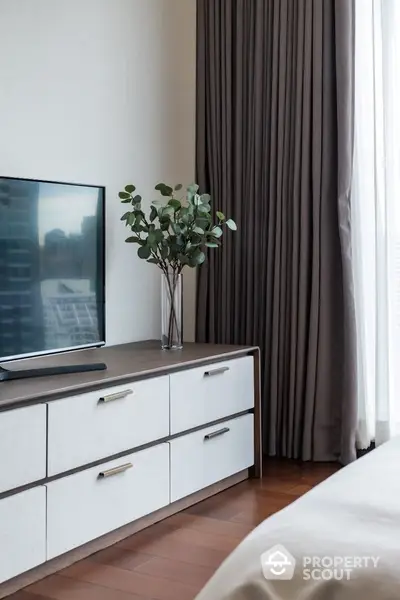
{"points": [[85, 428], [205, 394], [22, 446], [204, 457], [84, 506], [22, 532]]}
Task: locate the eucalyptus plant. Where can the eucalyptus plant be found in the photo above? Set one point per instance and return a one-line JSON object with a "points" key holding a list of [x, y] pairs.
{"points": [[177, 229], [175, 233]]}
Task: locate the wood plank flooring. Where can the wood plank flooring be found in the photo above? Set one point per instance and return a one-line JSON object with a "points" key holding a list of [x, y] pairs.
{"points": [[173, 560]]}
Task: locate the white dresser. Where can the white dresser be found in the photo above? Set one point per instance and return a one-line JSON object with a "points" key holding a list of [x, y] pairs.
{"points": [[87, 459]]}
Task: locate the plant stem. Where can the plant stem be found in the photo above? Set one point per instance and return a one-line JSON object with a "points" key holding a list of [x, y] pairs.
{"points": [[172, 318]]}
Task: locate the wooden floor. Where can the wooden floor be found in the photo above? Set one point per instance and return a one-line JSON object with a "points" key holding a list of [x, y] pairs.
{"points": [[172, 560]]}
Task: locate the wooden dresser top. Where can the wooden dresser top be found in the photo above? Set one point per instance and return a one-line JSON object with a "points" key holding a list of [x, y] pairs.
{"points": [[125, 362]]}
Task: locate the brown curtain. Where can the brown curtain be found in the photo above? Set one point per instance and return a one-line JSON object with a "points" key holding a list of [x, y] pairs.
{"points": [[274, 149]]}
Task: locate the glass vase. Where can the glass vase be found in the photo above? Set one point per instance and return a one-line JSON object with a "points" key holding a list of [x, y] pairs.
{"points": [[171, 311]]}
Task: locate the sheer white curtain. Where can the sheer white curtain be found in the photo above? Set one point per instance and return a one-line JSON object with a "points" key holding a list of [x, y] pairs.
{"points": [[376, 217]]}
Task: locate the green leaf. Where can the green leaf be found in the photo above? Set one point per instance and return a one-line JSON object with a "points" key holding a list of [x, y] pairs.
{"points": [[165, 190], [197, 200], [205, 198], [168, 211], [216, 232], [153, 261], [176, 205], [144, 252], [198, 230], [153, 214], [125, 216], [165, 222], [124, 195], [212, 245], [151, 238], [159, 235], [193, 188], [220, 216], [231, 224], [174, 250], [133, 239], [185, 215], [131, 219], [204, 208], [202, 222], [130, 188], [164, 252], [183, 259], [137, 199], [176, 228], [196, 239], [212, 239], [178, 187], [197, 258]]}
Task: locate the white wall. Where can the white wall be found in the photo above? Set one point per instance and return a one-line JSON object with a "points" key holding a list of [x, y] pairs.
{"points": [[102, 92]]}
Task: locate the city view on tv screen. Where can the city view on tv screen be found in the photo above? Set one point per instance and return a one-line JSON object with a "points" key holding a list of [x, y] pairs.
{"points": [[51, 267]]}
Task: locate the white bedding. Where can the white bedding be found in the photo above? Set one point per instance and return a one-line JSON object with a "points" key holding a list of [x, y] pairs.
{"points": [[351, 520]]}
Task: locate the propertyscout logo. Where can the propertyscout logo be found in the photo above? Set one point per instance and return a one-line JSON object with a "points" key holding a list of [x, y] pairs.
{"points": [[278, 563]]}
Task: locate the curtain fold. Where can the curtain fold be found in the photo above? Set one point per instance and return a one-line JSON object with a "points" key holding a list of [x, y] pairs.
{"points": [[274, 133]]}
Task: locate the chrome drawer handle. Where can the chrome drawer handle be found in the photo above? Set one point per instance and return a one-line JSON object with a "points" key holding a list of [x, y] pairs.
{"points": [[216, 371], [116, 396], [214, 434], [115, 470]]}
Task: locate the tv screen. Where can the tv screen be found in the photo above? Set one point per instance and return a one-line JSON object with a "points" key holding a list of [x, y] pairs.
{"points": [[51, 267]]}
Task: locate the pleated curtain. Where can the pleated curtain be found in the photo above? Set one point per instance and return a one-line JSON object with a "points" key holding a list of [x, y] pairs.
{"points": [[274, 131]]}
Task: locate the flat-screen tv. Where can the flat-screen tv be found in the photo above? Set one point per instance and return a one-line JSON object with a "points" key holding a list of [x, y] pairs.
{"points": [[51, 267]]}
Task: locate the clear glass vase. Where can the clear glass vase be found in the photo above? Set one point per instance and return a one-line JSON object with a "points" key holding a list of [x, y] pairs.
{"points": [[171, 311]]}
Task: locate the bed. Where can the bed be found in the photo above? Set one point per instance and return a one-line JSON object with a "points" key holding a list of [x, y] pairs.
{"points": [[341, 541]]}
